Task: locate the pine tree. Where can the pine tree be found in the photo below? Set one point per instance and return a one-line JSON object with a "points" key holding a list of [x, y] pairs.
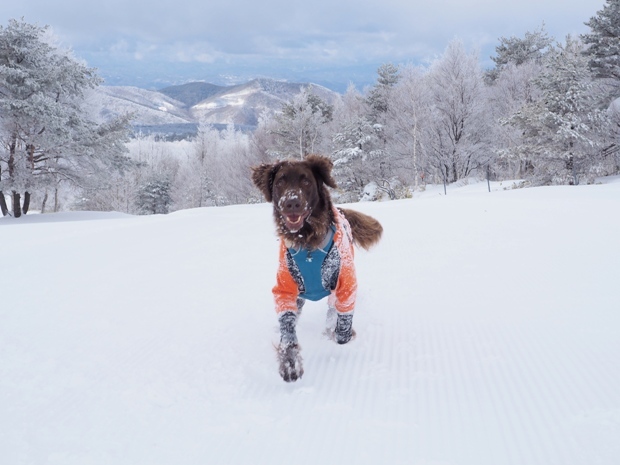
{"points": [[561, 129], [517, 51], [359, 144], [379, 96], [604, 41], [48, 133], [154, 197]]}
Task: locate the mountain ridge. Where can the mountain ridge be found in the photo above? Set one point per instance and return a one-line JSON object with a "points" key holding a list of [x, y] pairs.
{"points": [[187, 105]]}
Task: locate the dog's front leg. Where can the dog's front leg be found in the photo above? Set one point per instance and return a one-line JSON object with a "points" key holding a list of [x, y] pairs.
{"points": [[344, 331], [289, 357]]}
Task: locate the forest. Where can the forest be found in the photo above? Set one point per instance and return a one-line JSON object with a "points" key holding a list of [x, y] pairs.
{"points": [[546, 113]]}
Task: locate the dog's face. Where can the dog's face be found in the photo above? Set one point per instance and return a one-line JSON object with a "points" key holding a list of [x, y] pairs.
{"points": [[296, 188]]}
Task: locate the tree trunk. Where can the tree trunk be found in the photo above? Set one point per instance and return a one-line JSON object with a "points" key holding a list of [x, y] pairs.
{"points": [[570, 167], [44, 202], [17, 205], [26, 202], [3, 206]]}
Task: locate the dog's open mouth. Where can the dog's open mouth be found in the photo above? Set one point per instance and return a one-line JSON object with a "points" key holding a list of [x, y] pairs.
{"points": [[294, 222]]}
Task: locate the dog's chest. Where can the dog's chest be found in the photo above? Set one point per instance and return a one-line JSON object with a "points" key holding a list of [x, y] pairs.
{"points": [[316, 271]]}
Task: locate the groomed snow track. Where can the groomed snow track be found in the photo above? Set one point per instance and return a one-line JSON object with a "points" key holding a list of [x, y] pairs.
{"points": [[488, 333]]}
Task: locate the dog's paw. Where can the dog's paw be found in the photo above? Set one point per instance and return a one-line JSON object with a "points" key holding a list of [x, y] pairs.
{"points": [[343, 339], [289, 357]]}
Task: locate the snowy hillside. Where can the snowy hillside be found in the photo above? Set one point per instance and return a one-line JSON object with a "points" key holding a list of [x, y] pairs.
{"points": [[488, 333], [240, 105], [149, 107]]}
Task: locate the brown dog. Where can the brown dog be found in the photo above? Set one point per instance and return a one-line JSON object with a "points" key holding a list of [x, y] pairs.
{"points": [[316, 250]]}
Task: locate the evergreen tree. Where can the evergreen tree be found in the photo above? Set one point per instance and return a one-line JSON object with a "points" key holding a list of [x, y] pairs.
{"points": [[48, 134], [562, 128], [379, 96], [154, 197], [514, 87], [359, 146], [604, 41], [517, 51]]}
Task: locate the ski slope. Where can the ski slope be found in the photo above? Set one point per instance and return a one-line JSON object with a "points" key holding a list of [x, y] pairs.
{"points": [[488, 333]]}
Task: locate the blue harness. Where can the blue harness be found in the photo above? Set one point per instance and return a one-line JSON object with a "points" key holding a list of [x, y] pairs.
{"points": [[310, 264]]}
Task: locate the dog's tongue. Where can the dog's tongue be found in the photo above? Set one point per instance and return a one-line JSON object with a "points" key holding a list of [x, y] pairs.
{"points": [[294, 222]]}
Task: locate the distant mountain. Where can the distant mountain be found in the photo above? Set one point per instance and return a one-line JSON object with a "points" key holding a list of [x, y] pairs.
{"points": [[193, 92], [243, 104], [181, 108], [149, 107]]}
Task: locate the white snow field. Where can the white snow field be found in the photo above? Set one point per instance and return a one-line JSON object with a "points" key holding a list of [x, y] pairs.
{"points": [[488, 333]]}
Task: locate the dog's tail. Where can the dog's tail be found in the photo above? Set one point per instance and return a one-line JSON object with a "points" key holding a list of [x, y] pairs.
{"points": [[365, 229]]}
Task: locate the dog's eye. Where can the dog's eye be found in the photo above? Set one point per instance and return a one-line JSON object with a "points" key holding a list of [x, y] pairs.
{"points": [[305, 181], [279, 182]]}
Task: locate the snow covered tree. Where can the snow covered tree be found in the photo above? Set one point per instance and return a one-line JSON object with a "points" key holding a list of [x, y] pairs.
{"points": [[407, 124], [48, 133], [458, 138], [513, 88], [603, 51], [154, 197], [561, 129], [298, 128], [379, 95], [216, 170], [531, 48], [360, 151], [604, 41], [358, 145], [196, 187]]}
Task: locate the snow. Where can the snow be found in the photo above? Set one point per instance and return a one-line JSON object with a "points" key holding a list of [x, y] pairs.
{"points": [[234, 99], [487, 334]]}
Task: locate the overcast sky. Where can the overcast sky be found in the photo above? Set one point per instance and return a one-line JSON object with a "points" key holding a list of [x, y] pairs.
{"points": [[250, 36]]}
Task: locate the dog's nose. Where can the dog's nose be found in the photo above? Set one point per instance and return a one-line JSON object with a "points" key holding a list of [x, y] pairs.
{"points": [[292, 204]]}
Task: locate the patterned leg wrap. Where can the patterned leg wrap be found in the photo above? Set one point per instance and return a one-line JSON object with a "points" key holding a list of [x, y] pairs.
{"points": [[288, 321], [344, 328], [289, 357]]}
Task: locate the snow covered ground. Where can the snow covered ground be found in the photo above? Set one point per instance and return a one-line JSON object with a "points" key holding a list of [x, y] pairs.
{"points": [[488, 333]]}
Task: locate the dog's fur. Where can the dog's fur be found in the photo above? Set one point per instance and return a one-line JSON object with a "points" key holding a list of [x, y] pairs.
{"points": [[311, 205], [303, 213]]}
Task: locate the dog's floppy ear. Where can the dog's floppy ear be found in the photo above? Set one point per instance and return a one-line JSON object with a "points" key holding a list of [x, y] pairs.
{"points": [[262, 177], [322, 169]]}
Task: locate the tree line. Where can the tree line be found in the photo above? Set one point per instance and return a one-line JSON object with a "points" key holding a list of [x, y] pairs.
{"points": [[546, 113]]}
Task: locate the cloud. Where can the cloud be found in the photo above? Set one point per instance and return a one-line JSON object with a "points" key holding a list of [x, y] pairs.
{"points": [[319, 33]]}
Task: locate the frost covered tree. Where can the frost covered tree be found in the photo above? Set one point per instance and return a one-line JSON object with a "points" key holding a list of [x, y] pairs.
{"points": [[154, 197], [513, 88], [407, 125], [603, 41], [517, 51], [48, 133], [299, 127], [358, 145], [217, 169], [457, 144], [117, 190], [379, 95], [196, 186], [603, 50], [562, 128]]}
